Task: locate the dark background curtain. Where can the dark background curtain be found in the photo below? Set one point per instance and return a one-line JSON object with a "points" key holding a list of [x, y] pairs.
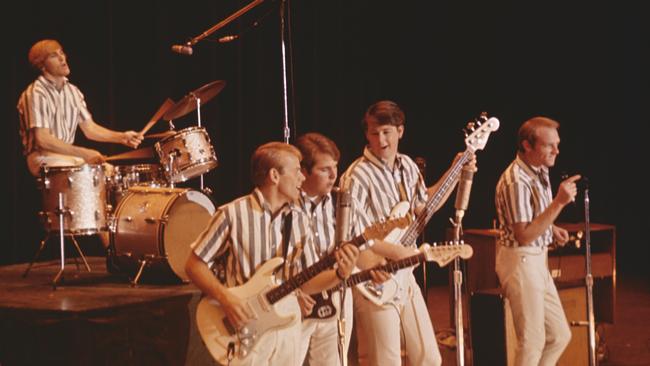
{"points": [[581, 63]]}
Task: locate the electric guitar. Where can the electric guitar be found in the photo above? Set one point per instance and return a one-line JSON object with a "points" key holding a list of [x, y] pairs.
{"points": [[474, 141], [442, 254], [271, 307]]}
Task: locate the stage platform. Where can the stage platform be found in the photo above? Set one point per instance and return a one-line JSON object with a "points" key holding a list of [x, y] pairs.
{"points": [[95, 318]]}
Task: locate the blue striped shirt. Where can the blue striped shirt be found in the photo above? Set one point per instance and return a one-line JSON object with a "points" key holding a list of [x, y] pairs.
{"points": [[253, 234], [42, 105], [376, 186], [522, 193]]}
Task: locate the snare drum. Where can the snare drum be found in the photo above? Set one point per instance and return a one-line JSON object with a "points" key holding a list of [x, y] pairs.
{"points": [[83, 189], [186, 154], [158, 225], [127, 176]]}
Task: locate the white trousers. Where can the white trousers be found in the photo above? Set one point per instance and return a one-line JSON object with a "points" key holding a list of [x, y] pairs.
{"points": [[37, 160], [540, 323], [379, 329], [320, 339]]}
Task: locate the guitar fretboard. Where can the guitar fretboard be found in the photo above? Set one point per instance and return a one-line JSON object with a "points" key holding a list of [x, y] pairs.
{"points": [[310, 272], [415, 229]]}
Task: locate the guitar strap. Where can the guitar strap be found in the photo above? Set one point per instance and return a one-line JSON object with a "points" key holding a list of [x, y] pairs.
{"points": [[401, 186], [286, 235]]}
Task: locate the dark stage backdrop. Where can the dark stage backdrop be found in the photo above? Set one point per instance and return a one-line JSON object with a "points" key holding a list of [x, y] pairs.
{"points": [[444, 62]]}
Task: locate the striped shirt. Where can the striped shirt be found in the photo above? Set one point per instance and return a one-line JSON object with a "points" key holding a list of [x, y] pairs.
{"points": [[319, 217], [522, 193], [253, 234], [42, 105], [377, 187]]}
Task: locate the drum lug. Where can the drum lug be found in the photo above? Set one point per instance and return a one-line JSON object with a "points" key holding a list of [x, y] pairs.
{"points": [[128, 219], [150, 220], [95, 180], [70, 181], [111, 223]]}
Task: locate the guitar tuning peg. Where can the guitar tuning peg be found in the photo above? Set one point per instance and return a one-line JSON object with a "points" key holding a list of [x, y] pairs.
{"points": [[483, 117]]}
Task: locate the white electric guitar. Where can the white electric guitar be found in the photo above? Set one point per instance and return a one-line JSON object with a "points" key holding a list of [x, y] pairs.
{"points": [[475, 141], [269, 303], [441, 254]]}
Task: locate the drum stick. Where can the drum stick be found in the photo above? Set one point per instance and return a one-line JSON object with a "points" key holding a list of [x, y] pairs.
{"points": [[168, 103], [145, 152]]}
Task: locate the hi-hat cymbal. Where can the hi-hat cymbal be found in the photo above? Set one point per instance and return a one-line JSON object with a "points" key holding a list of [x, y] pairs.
{"points": [[188, 102]]}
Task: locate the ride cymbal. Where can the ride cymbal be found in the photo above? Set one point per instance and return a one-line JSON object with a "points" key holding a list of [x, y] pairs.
{"points": [[188, 102]]}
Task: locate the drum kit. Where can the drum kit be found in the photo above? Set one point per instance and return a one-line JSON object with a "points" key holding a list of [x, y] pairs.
{"points": [[150, 223]]}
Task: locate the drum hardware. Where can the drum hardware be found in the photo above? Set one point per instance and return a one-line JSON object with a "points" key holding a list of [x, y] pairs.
{"points": [[143, 262], [62, 212]]}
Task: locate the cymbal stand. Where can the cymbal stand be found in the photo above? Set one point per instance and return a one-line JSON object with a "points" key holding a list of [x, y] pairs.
{"points": [[170, 168], [198, 121]]}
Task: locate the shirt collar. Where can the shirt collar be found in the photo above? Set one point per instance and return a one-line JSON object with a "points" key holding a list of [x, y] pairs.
{"points": [[50, 84], [368, 154]]}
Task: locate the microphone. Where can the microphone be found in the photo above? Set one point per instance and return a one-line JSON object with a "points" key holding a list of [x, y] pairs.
{"points": [[464, 189], [183, 49], [229, 38], [343, 203]]}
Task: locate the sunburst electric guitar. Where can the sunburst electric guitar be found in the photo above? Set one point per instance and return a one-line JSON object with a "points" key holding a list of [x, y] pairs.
{"points": [[474, 141], [441, 254], [269, 303]]}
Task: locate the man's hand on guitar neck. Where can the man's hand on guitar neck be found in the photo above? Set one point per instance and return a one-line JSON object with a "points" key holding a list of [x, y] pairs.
{"points": [[346, 259]]}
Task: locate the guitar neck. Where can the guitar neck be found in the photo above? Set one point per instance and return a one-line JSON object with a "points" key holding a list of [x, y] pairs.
{"points": [[310, 272], [364, 276], [416, 228]]}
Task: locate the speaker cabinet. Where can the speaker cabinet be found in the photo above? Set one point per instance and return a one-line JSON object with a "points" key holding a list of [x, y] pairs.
{"points": [[494, 341], [566, 264]]}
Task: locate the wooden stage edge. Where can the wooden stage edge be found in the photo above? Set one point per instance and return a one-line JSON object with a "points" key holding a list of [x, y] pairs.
{"points": [[95, 318]]}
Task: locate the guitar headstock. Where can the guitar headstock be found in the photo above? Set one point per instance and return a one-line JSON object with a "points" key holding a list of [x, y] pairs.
{"points": [[478, 131], [443, 254], [381, 229]]}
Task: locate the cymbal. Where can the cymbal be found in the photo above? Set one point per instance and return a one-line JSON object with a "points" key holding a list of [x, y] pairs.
{"points": [[144, 152], [188, 102]]}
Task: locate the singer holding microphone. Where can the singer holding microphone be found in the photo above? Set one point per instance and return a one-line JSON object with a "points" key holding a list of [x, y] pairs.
{"points": [[526, 211], [50, 110], [380, 179], [331, 221]]}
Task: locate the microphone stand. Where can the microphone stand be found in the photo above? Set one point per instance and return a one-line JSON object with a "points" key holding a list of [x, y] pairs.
{"points": [[589, 281], [287, 132], [343, 203], [458, 296], [223, 23]]}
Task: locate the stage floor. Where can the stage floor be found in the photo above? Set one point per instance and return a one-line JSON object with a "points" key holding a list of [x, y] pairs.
{"points": [[95, 318]]}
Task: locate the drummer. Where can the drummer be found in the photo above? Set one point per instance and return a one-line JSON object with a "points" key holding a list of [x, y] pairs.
{"points": [[50, 110]]}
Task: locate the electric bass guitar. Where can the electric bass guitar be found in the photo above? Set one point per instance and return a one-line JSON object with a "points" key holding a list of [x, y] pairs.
{"points": [[271, 307], [474, 141], [442, 254]]}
